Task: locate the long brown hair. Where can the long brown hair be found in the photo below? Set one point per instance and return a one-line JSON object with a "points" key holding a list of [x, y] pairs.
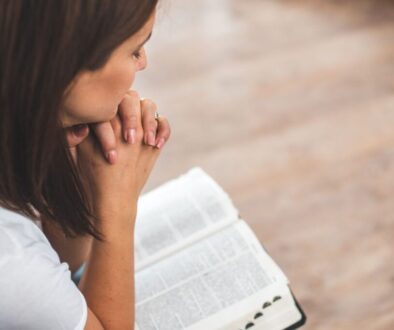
{"points": [[44, 44]]}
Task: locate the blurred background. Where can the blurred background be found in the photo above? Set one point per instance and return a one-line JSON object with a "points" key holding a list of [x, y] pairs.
{"points": [[289, 105]]}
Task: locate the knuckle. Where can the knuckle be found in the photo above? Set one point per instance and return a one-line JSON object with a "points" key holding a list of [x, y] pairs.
{"points": [[133, 121], [149, 104], [167, 134], [166, 126], [164, 121], [151, 123], [133, 94], [130, 118]]}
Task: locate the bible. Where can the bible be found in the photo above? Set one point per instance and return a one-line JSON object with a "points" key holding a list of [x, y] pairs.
{"points": [[199, 266]]}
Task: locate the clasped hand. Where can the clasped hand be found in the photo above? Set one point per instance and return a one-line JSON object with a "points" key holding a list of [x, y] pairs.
{"points": [[114, 182], [132, 108]]}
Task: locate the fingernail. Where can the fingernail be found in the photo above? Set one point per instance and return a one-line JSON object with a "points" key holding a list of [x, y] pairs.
{"points": [[111, 156], [151, 138], [131, 136], [161, 143]]}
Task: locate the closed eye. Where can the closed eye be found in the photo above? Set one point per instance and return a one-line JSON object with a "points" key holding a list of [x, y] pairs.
{"points": [[137, 54]]}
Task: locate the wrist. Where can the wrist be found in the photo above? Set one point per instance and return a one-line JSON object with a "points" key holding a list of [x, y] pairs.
{"points": [[116, 215]]}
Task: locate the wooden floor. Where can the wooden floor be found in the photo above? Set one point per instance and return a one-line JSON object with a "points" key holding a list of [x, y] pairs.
{"points": [[289, 105]]}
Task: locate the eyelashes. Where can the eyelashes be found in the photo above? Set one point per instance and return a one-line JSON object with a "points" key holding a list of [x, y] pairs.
{"points": [[137, 54]]}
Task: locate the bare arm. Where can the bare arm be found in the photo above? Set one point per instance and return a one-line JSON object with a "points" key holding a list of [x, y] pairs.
{"points": [[108, 280]]}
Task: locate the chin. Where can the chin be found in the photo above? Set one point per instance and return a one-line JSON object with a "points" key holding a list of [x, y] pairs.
{"points": [[107, 115], [101, 116], [97, 116]]}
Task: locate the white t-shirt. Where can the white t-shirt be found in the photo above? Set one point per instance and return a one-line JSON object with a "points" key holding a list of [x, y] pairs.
{"points": [[36, 290]]}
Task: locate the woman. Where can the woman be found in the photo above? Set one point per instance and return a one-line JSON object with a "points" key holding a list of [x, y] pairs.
{"points": [[76, 148]]}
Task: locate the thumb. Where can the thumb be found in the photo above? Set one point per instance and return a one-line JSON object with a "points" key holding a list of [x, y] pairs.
{"points": [[76, 134]]}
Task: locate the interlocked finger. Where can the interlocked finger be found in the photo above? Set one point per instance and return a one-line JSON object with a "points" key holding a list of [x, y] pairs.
{"points": [[149, 123]]}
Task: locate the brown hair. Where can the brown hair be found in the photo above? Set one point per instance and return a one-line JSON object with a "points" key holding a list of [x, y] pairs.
{"points": [[44, 44]]}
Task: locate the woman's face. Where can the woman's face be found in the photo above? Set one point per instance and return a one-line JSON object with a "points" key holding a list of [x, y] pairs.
{"points": [[94, 96]]}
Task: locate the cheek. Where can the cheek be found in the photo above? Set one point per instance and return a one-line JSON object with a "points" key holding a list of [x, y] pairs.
{"points": [[122, 82], [114, 88], [99, 99]]}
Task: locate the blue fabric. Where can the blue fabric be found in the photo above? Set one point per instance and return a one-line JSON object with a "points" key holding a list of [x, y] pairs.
{"points": [[76, 277]]}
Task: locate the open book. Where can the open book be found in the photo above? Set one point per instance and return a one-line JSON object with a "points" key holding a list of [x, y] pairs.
{"points": [[200, 267]]}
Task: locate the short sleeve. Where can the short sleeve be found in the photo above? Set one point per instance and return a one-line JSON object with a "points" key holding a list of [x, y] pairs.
{"points": [[37, 293]]}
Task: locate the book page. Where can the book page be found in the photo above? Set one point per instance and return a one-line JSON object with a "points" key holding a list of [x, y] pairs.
{"points": [[178, 213], [213, 274]]}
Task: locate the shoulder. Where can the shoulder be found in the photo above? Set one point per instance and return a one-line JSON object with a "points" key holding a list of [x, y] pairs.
{"points": [[19, 234], [33, 282]]}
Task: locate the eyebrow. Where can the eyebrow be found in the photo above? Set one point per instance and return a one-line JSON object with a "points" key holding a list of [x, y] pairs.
{"points": [[145, 41]]}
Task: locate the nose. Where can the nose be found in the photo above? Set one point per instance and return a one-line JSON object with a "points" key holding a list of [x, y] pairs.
{"points": [[142, 61]]}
